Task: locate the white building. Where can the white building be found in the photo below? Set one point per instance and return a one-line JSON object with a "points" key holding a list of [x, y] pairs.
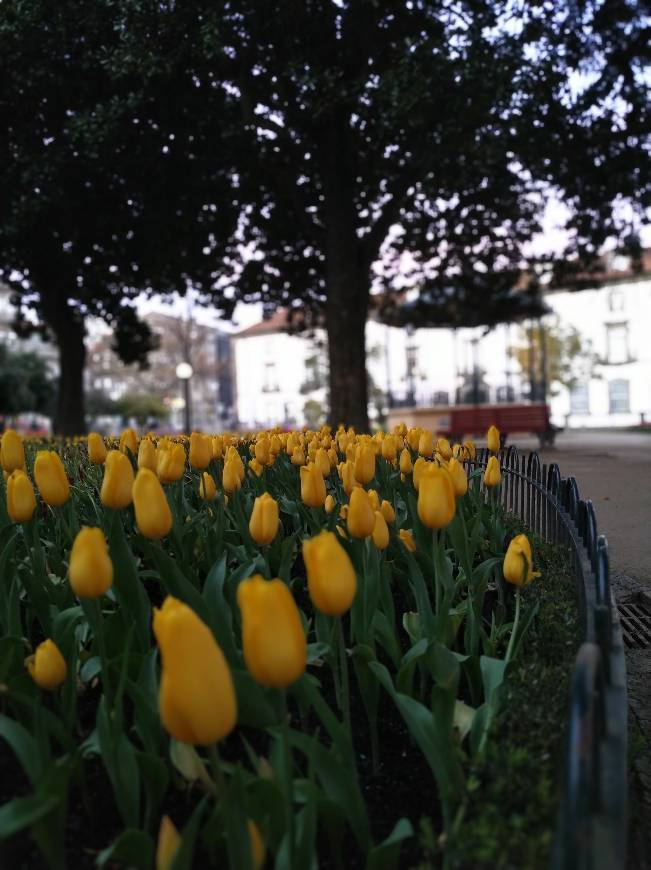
{"points": [[278, 373]]}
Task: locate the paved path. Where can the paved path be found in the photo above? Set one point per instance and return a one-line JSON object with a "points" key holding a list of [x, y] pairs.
{"points": [[614, 470]]}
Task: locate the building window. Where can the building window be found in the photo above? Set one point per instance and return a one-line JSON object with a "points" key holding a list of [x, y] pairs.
{"points": [[617, 342], [579, 399], [618, 397], [505, 394], [441, 397], [270, 384], [616, 300]]}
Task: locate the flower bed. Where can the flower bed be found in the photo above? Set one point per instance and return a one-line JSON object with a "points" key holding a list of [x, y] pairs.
{"points": [[286, 647]]}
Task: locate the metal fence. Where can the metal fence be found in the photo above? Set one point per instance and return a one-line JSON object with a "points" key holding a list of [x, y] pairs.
{"points": [[592, 820]]}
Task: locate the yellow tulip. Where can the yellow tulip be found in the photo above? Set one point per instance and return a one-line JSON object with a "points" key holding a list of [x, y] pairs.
{"points": [[471, 450], [231, 480], [331, 579], [262, 451], [256, 467], [329, 504], [153, 515], [346, 472], [298, 456], [406, 466], [380, 531], [364, 463], [170, 463], [493, 474], [313, 490], [258, 848], [458, 474], [168, 844], [361, 516], [147, 455], [426, 443], [413, 438], [375, 499], [264, 521], [389, 448], [47, 667], [233, 456], [388, 512], [217, 446], [96, 448], [518, 562], [273, 640], [407, 539], [12, 452], [21, 501], [200, 451], [117, 485], [129, 441], [493, 439], [322, 461], [51, 478], [421, 466], [443, 448], [196, 699], [207, 487], [436, 501], [90, 569]]}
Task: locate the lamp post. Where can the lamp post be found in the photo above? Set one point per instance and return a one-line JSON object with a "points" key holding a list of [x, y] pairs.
{"points": [[184, 372], [475, 369]]}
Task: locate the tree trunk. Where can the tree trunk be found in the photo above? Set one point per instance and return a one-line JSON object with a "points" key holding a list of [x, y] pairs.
{"points": [[68, 328], [347, 282]]}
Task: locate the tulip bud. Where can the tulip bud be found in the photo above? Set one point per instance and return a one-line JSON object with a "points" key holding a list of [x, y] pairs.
{"points": [[443, 448], [117, 485], [413, 438], [231, 481], [493, 474], [375, 499], [170, 463], [96, 448], [129, 441], [493, 439], [264, 521], [233, 456], [426, 443], [387, 511], [380, 531], [273, 640], [147, 455], [406, 466], [471, 450], [407, 539], [421, 466], [459, 480], [47, 667], [313, 490], [298, 456], [329, 504], [258, 849], [361, 516], [436, 501], [200, 451], [51, 478], [207, 487], [364, 463], [262, 451], [90, 569], [21, 501], [12, 452], [169, 841], [196, 698], [518, 562], [331, 579], [322, 461], [217, 445], [153, 515], [256, 467], [389, 448]]}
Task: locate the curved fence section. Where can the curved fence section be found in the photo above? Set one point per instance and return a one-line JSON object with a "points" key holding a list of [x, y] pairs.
{"points": [[591, 830]]}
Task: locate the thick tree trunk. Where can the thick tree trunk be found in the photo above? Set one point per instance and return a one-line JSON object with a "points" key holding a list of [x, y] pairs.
{"points": [[347, 281], [68, 328]]}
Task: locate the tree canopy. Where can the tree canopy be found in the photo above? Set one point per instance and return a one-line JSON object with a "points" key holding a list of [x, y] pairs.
{"points": [[276, 151], [25, 383]]}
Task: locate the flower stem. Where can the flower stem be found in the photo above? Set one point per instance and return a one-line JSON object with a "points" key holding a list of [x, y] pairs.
{"points": [[514, 630], [343, 662], [288, 777]]}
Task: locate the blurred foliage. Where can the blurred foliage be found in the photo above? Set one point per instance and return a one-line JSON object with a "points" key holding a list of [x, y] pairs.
{"points": [[25, 383], [570, 358], [142, 407]]}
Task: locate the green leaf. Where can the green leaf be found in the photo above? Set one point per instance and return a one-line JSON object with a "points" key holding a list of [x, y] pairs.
{"points": [[119, 758], [183, 860], [23, 812], [385, 855], [174, 580], [219, 611], [187, 761], [128, 588], [132, 849], [24, 747]]}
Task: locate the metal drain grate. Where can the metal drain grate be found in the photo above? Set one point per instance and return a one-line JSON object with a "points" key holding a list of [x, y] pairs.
{"points": [[635, 620]]}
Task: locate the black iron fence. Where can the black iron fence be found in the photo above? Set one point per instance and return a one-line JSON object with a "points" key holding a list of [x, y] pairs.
{"points": [[591, 830]]}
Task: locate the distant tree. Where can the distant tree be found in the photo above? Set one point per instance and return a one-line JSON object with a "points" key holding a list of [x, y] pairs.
{"points": [[142, 407], [568, 357], [382, 129], [25, 383], [314, 413], [98, 404]]}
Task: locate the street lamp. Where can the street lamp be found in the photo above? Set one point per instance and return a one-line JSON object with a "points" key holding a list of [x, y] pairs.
{"points": [[184, 372]]}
